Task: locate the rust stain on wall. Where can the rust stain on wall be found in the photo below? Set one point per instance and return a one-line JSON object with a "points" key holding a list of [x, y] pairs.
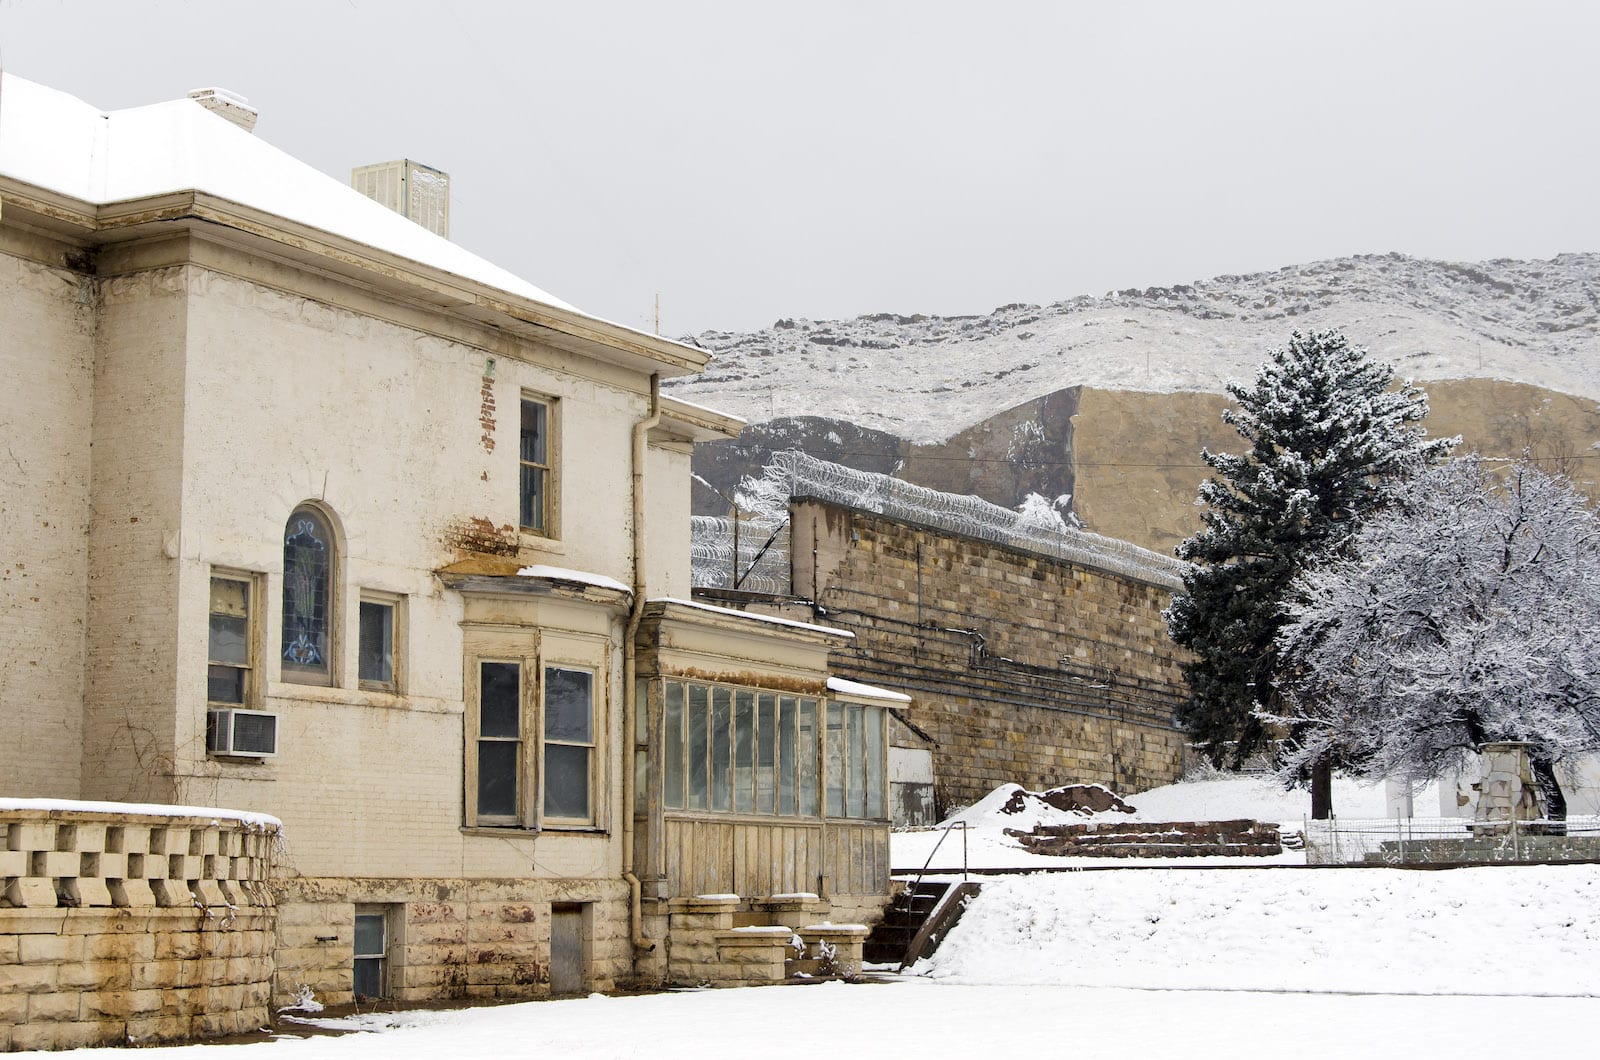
{"points": [[481, 536]]}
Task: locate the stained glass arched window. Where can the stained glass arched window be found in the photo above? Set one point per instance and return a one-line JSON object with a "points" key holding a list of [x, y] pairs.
{"points": [[308, 555]]}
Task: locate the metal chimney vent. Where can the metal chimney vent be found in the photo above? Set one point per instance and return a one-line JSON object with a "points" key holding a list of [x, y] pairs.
{"points": [[410, 189]]}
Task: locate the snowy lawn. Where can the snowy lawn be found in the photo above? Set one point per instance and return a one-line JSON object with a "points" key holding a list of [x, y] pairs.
{"points": [[926, 1018], [1529, 929]]}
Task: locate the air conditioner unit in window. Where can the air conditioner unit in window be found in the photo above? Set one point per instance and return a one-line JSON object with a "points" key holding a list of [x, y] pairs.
{"points": [[242, 733]]}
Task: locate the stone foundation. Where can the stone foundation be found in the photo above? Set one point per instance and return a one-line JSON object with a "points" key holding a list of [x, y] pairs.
{"points": [[132, 928], [448, 938]]}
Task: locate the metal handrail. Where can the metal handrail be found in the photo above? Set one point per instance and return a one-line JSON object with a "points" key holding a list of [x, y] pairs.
{"points": [[947, 829]]}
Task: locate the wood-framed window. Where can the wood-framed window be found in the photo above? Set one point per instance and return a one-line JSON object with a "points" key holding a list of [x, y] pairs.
{"points": [[536, 458], [370, 964], [231, 640], [380, 627], [534, 743], [569, 743], [855, 761], [739, 750]]}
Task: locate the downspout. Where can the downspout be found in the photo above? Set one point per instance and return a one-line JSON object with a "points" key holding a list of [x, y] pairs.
{"points": [[630, 669]]}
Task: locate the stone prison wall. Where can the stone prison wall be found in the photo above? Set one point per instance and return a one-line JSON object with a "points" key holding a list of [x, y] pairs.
{"points": [[1023, 667]]}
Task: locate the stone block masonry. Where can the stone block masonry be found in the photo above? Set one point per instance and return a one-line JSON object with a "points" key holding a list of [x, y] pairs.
{"points": [[128, 928], [1022, 667]]}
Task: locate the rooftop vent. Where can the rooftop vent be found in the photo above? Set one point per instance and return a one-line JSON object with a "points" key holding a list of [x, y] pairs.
{"points": [[410, 189], [230, 105]]}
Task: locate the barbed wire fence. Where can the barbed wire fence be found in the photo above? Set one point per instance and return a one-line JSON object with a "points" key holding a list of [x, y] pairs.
{"points": [[763, 535]]}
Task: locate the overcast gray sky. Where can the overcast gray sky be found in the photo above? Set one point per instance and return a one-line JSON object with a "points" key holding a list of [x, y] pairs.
{"points": [[750, 161]]}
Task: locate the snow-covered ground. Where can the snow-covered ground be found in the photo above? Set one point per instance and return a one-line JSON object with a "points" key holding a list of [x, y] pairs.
{"points": [[1160, 962], [1527, 929], [919, 1017]]}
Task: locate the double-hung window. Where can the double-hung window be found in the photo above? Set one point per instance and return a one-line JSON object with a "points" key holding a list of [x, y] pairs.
{"points": [[536, 475], [231, 641], [533, 753]]}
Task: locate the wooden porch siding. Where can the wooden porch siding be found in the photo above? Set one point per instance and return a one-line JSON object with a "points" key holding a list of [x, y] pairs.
{"points": [[722, 855]]}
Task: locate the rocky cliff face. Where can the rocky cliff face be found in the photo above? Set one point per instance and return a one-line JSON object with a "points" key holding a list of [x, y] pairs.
{"points": [[1110, 398]]}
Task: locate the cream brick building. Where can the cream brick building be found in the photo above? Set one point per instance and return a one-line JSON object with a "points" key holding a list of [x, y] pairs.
{"points": [[310, 512]]}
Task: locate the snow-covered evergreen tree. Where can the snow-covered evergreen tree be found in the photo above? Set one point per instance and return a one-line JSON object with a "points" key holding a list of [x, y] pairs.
{"points": [[1325, 433], [1467, 611]]}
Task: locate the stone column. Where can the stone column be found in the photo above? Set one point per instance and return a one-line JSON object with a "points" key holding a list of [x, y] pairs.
{"points": [[1506, 789]]}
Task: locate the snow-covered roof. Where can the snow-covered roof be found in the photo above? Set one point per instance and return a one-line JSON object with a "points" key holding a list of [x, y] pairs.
{"points": [[861, 691], [59, 143], [769, 619], [581, 577]]}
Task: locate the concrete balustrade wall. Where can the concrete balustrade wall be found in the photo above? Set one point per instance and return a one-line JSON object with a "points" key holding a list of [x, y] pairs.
{"points": [[129, 927]]}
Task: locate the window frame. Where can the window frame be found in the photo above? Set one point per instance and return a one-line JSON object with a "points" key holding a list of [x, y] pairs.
{"points": [[547, 470], [795, 775], [531, 812], [385, 916], [855, 800], [396, 603], [295, 673], [548, 819], [250, 681]]}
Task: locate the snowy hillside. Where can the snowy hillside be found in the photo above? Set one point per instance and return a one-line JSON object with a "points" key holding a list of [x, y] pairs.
{"points": [[926, 377]]}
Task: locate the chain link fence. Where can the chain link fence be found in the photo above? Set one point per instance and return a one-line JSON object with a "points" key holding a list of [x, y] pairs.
{"points": [[1449, 841]]}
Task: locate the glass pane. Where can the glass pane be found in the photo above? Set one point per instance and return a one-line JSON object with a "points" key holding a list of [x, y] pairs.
{"points": [[566, 781], [806, 751], [230, 621], [377, 642], [641, 780], [835, 762], [855, 797], [499, 699], [874, 764], [307, 594], [225, 684], [744, 724], [766, 753], [534, 422], [721, 746], [369, 977], [786, 771], [369, 935], [566, 705], [497, 777], [699, 732], [672, 748], [532, 494]]}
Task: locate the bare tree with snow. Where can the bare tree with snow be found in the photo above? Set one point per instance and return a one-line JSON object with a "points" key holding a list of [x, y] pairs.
{"points": [[1467, 611]]}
